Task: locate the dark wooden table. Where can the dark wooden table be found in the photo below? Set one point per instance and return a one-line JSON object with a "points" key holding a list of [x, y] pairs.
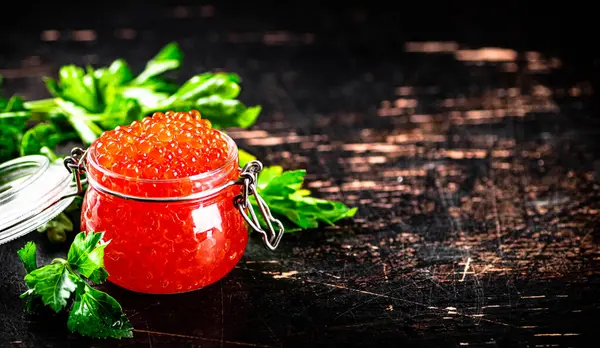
{"points": [[475, 172]]}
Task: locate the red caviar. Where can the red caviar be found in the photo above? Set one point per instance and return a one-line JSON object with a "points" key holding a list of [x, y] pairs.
{"points": [[158, 245], [164, 146]]}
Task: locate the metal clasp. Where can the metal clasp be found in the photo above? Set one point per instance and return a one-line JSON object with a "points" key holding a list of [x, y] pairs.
{"points": [[249, 180], [75, 164]]}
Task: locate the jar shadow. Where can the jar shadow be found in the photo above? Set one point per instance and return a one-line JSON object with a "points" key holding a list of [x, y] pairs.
{"points": [[228, 307]]}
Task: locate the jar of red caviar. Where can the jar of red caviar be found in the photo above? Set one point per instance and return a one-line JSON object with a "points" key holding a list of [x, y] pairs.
{"points": [[172, 201]]}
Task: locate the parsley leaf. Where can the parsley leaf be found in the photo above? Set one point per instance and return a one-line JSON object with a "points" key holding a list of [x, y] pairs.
{"points": [[205, 85], [169, 58], [57, 228], [117, 74], [79, 118], [87, 256], [93, 101], [93, 313], [13, 119], [27, 254], [42, 135], [77, 86], [283, 193], [224, 113], [97, 314], [53, 283], [10, 137], [121, 111]]}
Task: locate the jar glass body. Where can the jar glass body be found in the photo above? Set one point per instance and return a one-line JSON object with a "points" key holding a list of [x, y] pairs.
{"points": [[165, 246]]}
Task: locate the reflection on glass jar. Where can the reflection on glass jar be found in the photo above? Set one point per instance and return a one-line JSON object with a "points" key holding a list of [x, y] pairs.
{"points": [[159, 243]]}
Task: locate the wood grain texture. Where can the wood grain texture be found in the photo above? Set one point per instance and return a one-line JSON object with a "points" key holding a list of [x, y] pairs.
{"points": [[473, 161]]}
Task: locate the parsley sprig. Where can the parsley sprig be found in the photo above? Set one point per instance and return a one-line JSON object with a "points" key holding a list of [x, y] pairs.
{"points": [[65, 285], [294, 205], [86, 102]]}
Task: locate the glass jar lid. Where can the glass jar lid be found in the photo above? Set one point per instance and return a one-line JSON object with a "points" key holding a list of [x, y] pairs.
{"points": [[33, 191]]}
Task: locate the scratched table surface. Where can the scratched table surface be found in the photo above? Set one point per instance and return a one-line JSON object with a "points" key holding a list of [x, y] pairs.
{"points": [[473, 161]]}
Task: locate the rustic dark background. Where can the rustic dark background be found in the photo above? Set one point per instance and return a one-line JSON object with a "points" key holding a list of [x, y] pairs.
{"points": [[465, 133]]}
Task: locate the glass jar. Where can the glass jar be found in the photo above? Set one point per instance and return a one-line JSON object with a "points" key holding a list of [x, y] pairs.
{"points": [[164, 236], [170, 236]]}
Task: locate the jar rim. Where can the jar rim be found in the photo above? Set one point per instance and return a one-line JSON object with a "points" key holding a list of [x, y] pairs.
{"points": [[221, 170]]}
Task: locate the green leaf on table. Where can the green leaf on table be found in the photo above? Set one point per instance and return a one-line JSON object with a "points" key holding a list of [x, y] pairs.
{"points": [[13, 112], [224, 113], [117, 74], [205, 85], [158, 84], [97, 314], [85, 254], [78, 86], [13, 120], [53, 283], [15, 103], [94, 313], [233, 77], [267, 175], [42, 135], [57, 228], [88, 257], [121, 111], [81, 121], [169, 58], [61, 222], [10, 138], [27, 254], [147, 99], [283, 193]]}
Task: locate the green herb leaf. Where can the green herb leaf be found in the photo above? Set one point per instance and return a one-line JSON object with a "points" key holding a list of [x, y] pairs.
{"points": [[15, 103], [147, 98], [169, 58], [225, 113], [99, 275], [121, 111], [117, 74], [205, 85], [96, 314], [77, 86], [13, 119], [283, 193], [157, 84], [13, 113], [57, 228], [10, 138], [81, 121], [53, 283], [27, 254], [85, 254], [42, 135]]}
